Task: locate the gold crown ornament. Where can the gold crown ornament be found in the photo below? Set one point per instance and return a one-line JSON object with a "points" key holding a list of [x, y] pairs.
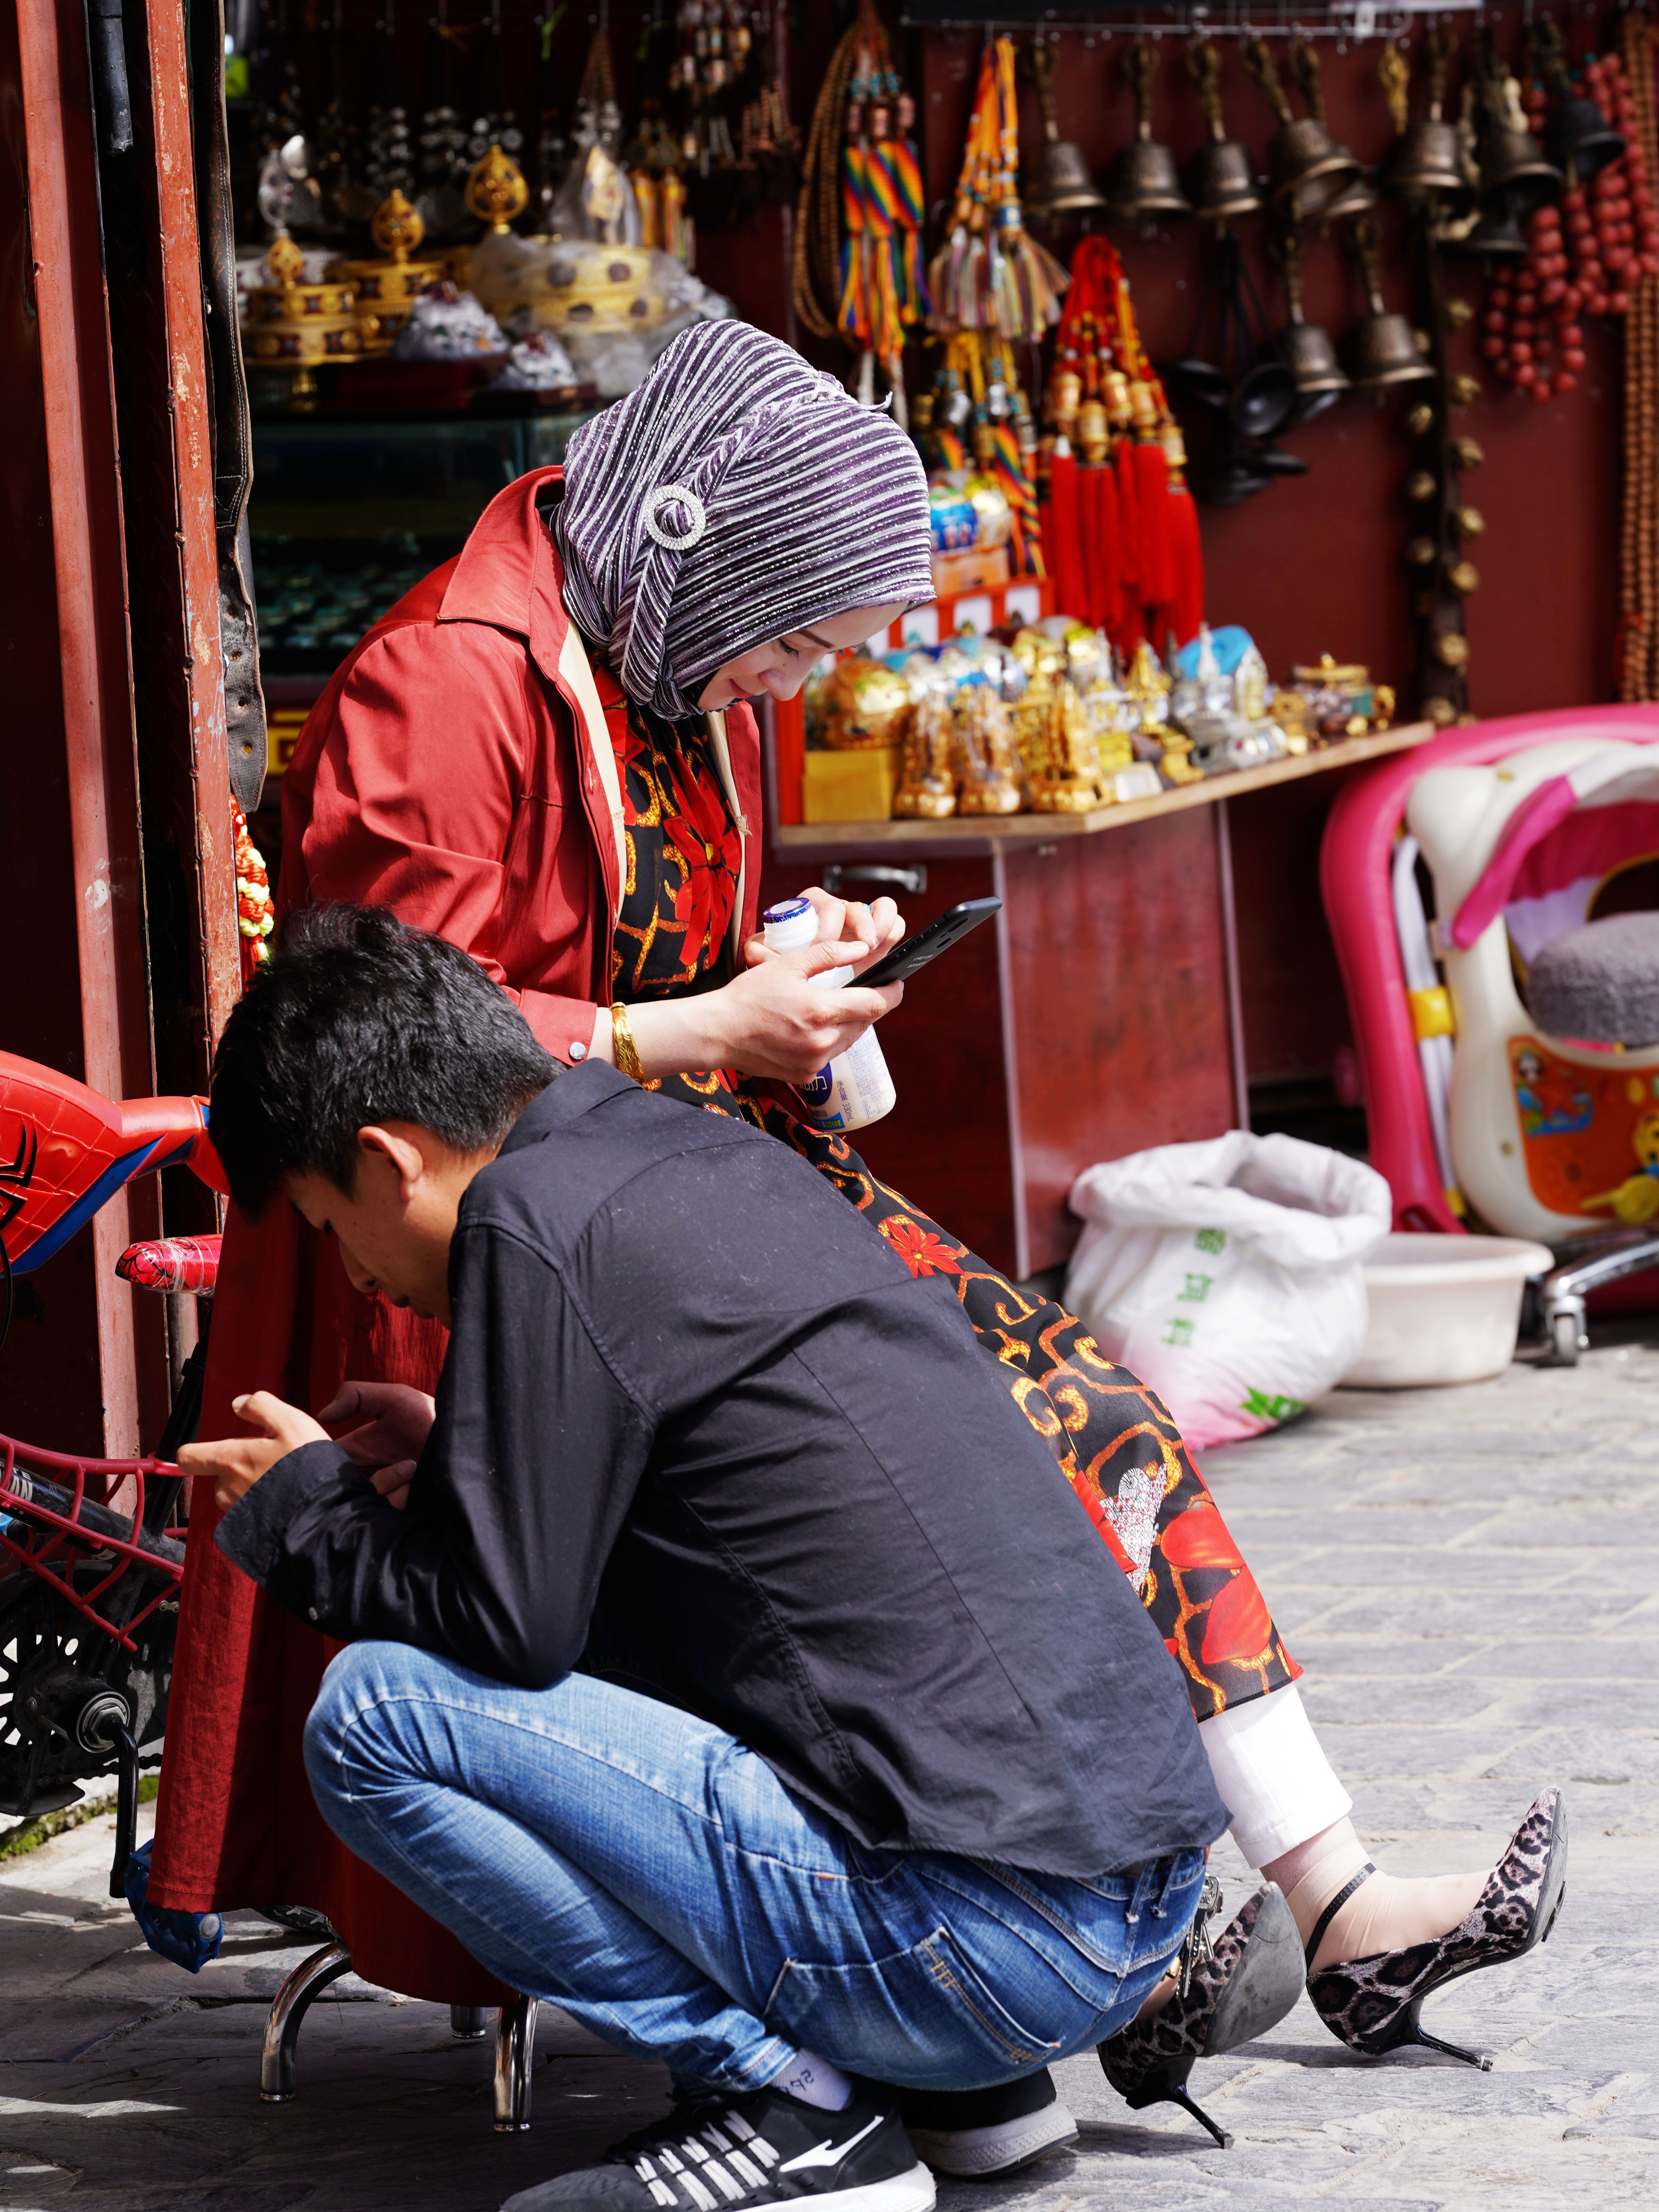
{"points": [[387, 289], [496, 191], [293, 324]]}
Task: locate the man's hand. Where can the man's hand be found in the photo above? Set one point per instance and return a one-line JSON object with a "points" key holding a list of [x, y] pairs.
{"points": [[237, 1462], [398, 1421]]}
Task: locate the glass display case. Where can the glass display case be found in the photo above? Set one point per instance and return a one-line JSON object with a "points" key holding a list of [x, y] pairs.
{"points": [[347, 513]]}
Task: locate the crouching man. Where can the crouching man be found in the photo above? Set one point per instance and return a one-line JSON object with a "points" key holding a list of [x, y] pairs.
{"points": [[729, 1667]]}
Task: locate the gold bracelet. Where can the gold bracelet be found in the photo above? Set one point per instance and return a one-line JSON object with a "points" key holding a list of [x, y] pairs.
{"points": [[623, 1050]]}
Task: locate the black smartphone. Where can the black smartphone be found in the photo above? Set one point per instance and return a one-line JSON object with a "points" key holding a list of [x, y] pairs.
{"points": [[927, 944]]}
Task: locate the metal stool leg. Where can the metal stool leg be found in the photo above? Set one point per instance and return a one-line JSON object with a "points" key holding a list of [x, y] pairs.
{"points": [[468, 2022], [515, 2049], [289, 2008]]}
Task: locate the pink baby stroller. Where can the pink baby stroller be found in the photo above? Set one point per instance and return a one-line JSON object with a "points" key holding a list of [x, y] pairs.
{"points": [[1494, 900]]}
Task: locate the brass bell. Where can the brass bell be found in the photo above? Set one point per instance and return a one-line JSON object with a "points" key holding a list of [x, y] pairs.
{"points": [[1420, 421], [1464, 578], [1143, 182], [1497, 236], [1467, 452], [1421, 485], [1305, 349], [1577, 137], [1421, 551], [1462, 391], [1514, 172], [1426, 164], [1064, 186], [1451, 650], [1356, 198], [1382, 351], [1515, 176], [1221, 178], [1468, 521], [1306, 167]]}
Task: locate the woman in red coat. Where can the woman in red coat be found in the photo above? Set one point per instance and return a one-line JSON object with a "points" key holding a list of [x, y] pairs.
{"points": [[545, 753]]}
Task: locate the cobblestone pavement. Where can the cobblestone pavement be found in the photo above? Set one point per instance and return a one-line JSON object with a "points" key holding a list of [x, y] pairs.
{"points": [[1471, 1578]]}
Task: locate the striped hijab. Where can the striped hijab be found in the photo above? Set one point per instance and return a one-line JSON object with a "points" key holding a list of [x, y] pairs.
{"points": [[737, 495]]}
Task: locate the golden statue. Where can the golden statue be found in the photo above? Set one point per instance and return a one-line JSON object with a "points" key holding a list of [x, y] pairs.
{"points": [[928, 788], [987, 763]]}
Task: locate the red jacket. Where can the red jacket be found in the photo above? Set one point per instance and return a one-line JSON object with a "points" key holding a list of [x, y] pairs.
{"points": [[459, 769]]}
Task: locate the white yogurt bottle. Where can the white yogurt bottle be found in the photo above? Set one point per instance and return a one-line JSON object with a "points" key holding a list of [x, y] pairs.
{"points": [[855, 1089]]}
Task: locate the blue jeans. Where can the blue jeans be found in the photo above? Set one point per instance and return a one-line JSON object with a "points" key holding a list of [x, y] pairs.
{"points": [[654, 1876]]}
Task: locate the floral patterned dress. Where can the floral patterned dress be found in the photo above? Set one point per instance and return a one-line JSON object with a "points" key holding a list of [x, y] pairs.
{"points": [[1115, 1442]]}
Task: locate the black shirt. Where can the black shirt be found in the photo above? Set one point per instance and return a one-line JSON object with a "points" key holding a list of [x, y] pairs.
{"points": [[699, 1430]]}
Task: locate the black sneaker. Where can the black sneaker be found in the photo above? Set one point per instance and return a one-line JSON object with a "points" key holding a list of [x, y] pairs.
{"points": [[730, 2154], [978, 2132]]}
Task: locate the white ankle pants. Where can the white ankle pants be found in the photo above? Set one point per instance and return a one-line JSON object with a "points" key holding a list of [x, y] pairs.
{"points": [[1270, 1773]]}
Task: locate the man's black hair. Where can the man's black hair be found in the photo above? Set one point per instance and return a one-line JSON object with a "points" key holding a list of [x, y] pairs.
{"points": [[357, 1019]]}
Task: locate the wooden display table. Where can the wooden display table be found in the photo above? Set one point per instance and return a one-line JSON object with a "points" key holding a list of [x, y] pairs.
{"points": [[1149, 960]]}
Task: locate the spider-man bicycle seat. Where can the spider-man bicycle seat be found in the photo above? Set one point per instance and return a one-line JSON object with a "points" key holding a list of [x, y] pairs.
{"points": [[65, 1151]]}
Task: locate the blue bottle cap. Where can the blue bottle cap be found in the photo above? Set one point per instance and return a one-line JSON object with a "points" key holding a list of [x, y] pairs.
{"points": [[788, 910]]}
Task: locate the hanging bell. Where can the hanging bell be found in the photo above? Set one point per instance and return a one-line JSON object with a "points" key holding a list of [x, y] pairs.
{"points": [[1143, 182], [1221, 181], [1307, 351], [1577, 138], [1382, 349], [1497, 236], [1426, 164], [1513, 168], [1221, 178], [1356, 198], [1064, 186], [1307, 169]]}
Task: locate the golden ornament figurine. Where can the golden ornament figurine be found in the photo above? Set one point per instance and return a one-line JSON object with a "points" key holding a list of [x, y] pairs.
{"points": [[987, 764], [928, 789], [496, 191], [1069, 782], [293, 324], [860, 704], [387, 289]]}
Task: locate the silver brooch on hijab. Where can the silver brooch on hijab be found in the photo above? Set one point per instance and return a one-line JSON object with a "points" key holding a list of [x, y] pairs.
{"points": [[674, 495]]}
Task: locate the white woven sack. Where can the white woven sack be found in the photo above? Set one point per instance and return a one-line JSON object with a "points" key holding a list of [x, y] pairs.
{"points": [[1228, 1275]]}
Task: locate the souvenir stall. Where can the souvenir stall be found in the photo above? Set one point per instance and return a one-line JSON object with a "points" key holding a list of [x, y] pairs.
{"points": [[1121, 273], [1384, 282]]}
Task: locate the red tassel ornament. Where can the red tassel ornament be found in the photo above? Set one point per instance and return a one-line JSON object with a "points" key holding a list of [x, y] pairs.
{"points": [[1063, 532]]}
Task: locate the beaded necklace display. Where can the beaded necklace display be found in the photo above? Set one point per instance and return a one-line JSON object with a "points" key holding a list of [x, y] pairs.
{"points": [[1532, 333]]}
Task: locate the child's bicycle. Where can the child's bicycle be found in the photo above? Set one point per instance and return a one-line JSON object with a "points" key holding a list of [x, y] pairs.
{"points": [[91, 1551]]}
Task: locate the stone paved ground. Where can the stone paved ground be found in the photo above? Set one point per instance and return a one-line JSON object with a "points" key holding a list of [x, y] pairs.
{"points": [[1472, 1579]]}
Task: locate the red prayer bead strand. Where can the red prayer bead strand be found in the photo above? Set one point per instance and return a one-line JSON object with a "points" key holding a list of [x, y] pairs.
{"points": [[1585, 259]]}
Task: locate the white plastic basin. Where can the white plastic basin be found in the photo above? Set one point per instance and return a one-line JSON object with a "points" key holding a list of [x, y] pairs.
{"points": [[1443, 1309]]}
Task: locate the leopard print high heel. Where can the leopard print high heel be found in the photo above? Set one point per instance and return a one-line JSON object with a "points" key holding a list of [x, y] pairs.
{"points": [[1372, 2004], [1250, 1980]]}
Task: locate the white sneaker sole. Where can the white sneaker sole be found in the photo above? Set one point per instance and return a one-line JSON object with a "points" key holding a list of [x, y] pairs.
{"points": [[975, 2152], [900, 2192]]}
